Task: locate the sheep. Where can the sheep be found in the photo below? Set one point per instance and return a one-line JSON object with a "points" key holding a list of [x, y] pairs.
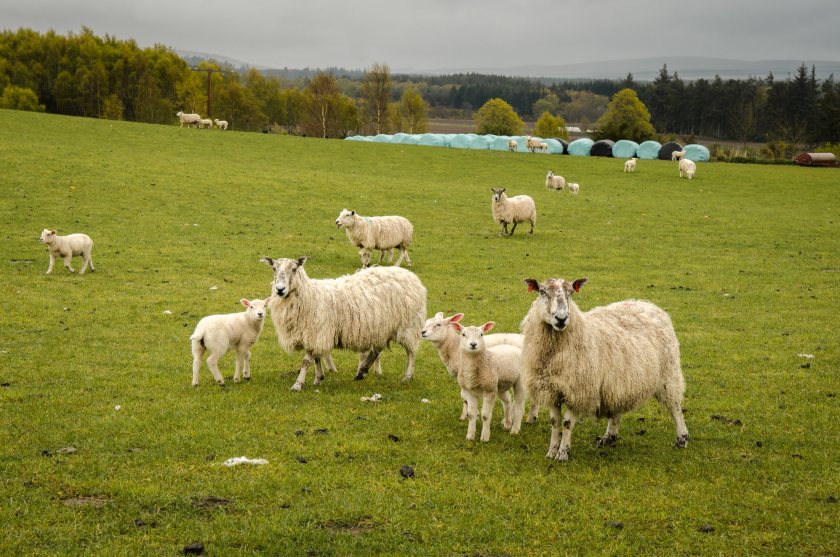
{"points": [[533, 143], [603, 362], [437, 331], [677, 155], [382, 233], [687, 168], [512, 210], [488, 373], [66, 247], [221, 124], [630, 165], [554, 182], [364, 311], [543, 147], [513, 145], [222, 333], [188, 119], [574, 188], [205, 123]]}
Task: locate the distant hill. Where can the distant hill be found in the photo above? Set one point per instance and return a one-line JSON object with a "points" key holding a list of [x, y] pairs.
{"points": [[193, 58]]}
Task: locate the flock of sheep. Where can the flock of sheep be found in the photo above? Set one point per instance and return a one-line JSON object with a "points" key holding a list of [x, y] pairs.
{"points": [[686, 167], [195, 120], [603, 362]]}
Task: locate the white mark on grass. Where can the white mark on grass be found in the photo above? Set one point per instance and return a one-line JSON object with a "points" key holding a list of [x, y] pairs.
{"points": [[425, 401], [375, 397], [167, 312], [237, 460], [117, 407], [214, 287], [809, 356]]}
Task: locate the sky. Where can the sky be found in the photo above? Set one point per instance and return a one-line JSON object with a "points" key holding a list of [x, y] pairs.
{"points": [[418, 35]]}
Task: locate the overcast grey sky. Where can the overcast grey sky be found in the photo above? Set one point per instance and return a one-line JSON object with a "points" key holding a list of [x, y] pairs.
{"points": [[441, 34]]}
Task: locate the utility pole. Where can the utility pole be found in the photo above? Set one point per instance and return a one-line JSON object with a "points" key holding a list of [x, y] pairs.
{"points": [[210, 72]]}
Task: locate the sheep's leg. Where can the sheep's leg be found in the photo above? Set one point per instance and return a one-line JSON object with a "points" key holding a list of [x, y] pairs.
{"points": [[237, 370], [534, 414], [472, 412], [52, 262], [512, 230], [411, 355], [554, 444], [89, 261], [507, 410], [365, 365], [503, 231], [381, 255], [85, 261], [519, 395], [213, 364], [611, 436], [319, 372], [301, 379], [377, 365], [407, 258], [531, 233], [198, 354], [401, 257], [569, 420], [487, 414], [68, 262], [328, 362], [463, 408], [675, 407], [247, 370]]}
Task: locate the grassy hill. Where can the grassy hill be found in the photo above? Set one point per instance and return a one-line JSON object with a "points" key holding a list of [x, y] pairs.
{"points": [[745, 258]]}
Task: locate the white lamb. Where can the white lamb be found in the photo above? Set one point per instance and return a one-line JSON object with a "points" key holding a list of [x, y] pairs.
{"points": [[677, 155], [382, 233], [188, 119], [487, 373], [543, 147], [687, 168], [66, 247], [513, 145], [603, 362], [221, 124], [512, 210], [574, 188], [205, 123], [446, 341], [222, 333], [630, 165], [554, 182], [364, 311]]}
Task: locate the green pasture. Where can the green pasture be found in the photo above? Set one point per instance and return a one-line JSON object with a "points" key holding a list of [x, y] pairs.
{"points": [[746, 259]]}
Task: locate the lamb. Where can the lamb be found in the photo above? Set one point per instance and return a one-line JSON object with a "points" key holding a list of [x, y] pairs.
{"points": [[677, 155], [512, 210], [222, 333], [630, 165], [603, 362], [543, 147], [364, 311], [533, 143], [188, 119], [574, 188], [205, 123], [437, 330], [488, 373], [687, 168], [382, 233], [554, 182], [221, 124], [513, 145], [66, 247]]}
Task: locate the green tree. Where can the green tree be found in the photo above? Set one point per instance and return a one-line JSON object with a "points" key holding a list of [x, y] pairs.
{"points": [[498, 117], [112, 107], [20, 98], [376, 94], [321, 95], [549, 103], [413, 111], [549, 125], [626, 118]]}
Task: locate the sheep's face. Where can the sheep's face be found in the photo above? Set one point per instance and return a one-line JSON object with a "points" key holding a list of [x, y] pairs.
{"points": [[498, 194], [472, 338], [285, 274], [345, 218], [555, 298], [47, 236], [437, 328], [256, 308]]}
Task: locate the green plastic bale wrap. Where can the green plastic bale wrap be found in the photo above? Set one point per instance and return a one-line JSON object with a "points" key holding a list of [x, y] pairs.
{"points": [[581, 147], [649, 150], [433, 140], [625, 149], [697, 153], [556, 146]]}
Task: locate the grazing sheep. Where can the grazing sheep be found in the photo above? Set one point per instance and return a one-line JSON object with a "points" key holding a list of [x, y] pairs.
{"points": [[603, 362], [66, 247], [677, 155], [554, 182], [205, 123], [222, 333], [532, 144], [630, 165], [364, 311], [487, 373], [574, 188], [221, 124], [512, 210], [188, 119], [446, 341], [687, 168], [513, 145], [382, 233]]}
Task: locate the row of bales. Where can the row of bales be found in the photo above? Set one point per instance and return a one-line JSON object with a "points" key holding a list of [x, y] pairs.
{"points": [[583, 147]]}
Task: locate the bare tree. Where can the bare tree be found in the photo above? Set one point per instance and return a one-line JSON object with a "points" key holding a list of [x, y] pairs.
{"points": [[376, 93], [322, 93]]}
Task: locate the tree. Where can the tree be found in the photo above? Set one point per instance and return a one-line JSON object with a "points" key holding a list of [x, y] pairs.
{"points": [[551, 126], [499, 118], [112, 107], [376, 94], [549, 103], [322, 94], [20, 98], [626, 118], [413, 111]]}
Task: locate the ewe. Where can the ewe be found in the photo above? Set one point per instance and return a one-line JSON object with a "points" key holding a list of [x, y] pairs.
{"points": [[188, 119], [66, 247], [603, 362], [687, 168], [554, 182], [382, 233], [512, 210]]}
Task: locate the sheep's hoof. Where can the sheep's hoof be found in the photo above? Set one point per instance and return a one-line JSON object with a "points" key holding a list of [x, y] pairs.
{"points": [[236, 380], [531, 420], [220, 383], [681, 442], [608, 440], [195, 384], [248, 378], [296, 387], [562, 456], [405, 379]]}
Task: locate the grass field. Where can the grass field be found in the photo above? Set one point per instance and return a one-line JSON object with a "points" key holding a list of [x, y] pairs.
{"points": [[745, 258]]}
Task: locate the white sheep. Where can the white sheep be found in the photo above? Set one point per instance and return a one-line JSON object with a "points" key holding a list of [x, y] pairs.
{"points": [[687, 168], [677, 155], [630, 165], [554, 182], [382, 233], [221, 124], [188, 119], [487, 373], [66, 247], [205, 123], [364, 311], [512, 210], [543, 147], [446, 341], [533, 143], [603, 362], [222, 333], [574, 188], [513, 145]]}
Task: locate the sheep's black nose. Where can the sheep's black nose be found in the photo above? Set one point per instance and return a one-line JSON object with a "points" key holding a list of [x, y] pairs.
{"points": [[473, 344], [280, 291], [561, 322]]}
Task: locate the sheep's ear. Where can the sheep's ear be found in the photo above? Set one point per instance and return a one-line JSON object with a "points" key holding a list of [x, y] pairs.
{"points": [[353, 212], [245, 302], [487, 326], [301, 261], [457, 327], [503, 190], [268, 261], [267, 300], [52, 231], [578, 283], [532, 284], [456, 318], [439, 315]]}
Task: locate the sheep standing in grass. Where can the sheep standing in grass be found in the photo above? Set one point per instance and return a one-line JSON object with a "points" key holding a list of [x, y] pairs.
{"points": [[66, 247], [574, 188], [487, 373], [221, 124], [603, 362], [513, 145], [382, 233], [512, 210], [532, 144], [188, 119], [205, 123], [447, 342], [687, 168], [630, 165], [677, 155], [554, 182], [222, 333], [364, 311]]}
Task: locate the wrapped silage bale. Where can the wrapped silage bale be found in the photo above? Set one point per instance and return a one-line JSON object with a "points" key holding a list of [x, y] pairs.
{"points": [[555, 146], [648, 150], [383, 138], [697, 153], [668, 148], [581, 147], [602, 148], [433, 140], [625, 149]]}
